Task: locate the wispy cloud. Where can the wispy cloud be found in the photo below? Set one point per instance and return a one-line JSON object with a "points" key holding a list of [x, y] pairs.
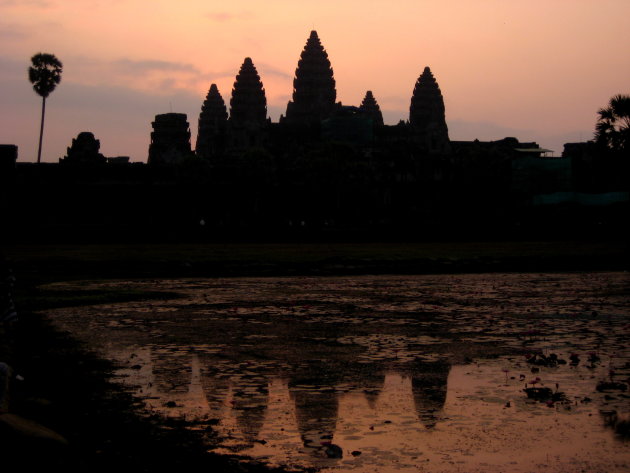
{"points": [[269, 70], [137, 67]]}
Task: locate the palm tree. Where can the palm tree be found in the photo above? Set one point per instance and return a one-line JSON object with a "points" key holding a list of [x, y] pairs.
{"points": [[44, 74], [613, 125]]}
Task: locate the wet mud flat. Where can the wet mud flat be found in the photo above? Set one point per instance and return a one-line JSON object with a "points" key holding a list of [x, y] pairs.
{"points": [[483, 372]]}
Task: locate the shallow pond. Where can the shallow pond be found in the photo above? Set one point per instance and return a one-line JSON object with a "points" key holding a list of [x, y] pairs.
{"points": [[383, 373]]}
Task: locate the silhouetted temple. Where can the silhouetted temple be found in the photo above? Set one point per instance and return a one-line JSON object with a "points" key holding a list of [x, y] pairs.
{"points": [[84, 150], [314, 91], [427, 115], [324, 165], [170, 139], [248, 107], [212, 125], [313, 116], [370, 107]]}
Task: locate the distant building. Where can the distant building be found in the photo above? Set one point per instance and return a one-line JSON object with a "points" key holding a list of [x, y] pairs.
{"points": [[85, 150], [8, 157], [170, 139]]}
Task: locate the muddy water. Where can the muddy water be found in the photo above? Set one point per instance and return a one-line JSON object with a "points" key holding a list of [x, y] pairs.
{"points": [[383, 373]]}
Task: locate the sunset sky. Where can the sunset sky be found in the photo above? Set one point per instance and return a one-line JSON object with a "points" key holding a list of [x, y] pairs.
{"points": [[537, 70]]}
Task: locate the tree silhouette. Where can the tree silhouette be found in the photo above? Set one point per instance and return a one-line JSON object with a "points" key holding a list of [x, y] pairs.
{"points": [[613, 125], [44, 74]]}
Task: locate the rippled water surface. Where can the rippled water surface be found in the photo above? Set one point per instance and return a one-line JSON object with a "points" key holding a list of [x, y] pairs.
{"points": [[383, 373]]}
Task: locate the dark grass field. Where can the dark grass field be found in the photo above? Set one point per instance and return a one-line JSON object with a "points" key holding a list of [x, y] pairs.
{"points": [[45, 263]]}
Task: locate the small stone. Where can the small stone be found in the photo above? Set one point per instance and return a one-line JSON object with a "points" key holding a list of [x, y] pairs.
{"points": [[356, 453], [333, 451]]}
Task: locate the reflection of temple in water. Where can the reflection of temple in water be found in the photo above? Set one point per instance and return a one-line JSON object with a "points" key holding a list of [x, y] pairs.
{"points": [[250, 398], [314, 393], [215, 388], [316, 414], [428, 386]]}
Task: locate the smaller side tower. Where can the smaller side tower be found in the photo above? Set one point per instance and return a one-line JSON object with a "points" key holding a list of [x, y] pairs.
{"points": [[170, 139], [248, 108], [370, 108], [212, 125], [84, 150]]}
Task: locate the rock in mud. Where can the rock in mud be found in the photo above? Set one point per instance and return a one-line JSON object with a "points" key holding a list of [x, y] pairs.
{"points": [[333, 451]]}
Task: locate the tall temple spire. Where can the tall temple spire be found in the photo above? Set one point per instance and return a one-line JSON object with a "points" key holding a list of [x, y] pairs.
{"points": [[314, 91], [212, 124], [248, 109], [370, 107], [427, 115], [248, 103]]}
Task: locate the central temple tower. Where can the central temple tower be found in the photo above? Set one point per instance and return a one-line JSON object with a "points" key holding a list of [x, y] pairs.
{"points": [[314, 92], [427, 116]]}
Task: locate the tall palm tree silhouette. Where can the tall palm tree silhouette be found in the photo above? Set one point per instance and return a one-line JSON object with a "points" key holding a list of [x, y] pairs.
{"points": [[44, 74]]}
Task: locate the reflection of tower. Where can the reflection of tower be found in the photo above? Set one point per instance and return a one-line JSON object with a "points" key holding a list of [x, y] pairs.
{"points": [[314, 91], [249, 401], [248, 107], [427, 115], [215, 387], [316, 413], [428, 385], [170, 139], [372, 385], [212, 125]]}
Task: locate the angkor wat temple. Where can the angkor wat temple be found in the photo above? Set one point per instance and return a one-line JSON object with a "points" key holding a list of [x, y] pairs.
{"points": [[323, 166], [313, 117]]}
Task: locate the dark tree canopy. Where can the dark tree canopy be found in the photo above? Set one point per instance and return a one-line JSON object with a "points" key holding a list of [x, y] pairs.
{"points": [[45, 73], [613, 124]]}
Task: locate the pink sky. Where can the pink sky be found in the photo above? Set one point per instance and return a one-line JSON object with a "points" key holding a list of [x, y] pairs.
{"points": [[537, 70]]}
